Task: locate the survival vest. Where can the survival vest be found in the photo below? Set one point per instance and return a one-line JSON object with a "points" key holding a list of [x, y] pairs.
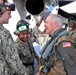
{"points": [[50, 52]]}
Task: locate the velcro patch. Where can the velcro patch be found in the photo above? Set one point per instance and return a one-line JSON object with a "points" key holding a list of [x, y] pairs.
{"points": [[66, 44]]}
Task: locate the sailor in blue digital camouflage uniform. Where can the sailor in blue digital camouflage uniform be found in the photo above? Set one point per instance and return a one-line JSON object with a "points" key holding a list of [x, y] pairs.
{"points": [[60, 54], [24, 45], [9, 59]]}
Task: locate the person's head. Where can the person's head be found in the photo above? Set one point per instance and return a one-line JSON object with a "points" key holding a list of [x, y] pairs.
{"points": [[52, 23], [22, 30], [5, 11], [72, 22]]}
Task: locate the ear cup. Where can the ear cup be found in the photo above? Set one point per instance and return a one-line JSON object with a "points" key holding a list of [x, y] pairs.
{"points": [[2, 10]]}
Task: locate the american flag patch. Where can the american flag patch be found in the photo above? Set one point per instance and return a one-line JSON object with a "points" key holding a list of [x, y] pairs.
{"points": [[66, 44]]}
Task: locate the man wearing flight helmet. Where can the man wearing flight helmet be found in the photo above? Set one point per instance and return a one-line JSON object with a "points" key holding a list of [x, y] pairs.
{"points": [[9, 59]]}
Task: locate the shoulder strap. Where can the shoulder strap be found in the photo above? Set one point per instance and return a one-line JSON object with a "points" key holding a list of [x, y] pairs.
{"points": [[63, 38]]}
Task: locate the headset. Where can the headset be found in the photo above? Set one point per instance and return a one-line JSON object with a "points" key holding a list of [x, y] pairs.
{"points": [[4, 7]]}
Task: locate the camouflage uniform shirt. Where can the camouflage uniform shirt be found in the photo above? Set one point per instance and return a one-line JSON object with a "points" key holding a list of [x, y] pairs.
{"points": [[9, 60], [26, 53]]}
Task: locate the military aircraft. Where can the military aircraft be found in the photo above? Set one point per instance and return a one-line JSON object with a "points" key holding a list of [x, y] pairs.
{"points": [[37, 11]]}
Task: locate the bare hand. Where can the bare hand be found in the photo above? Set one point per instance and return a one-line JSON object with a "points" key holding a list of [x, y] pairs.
{"points": [[38, 73]]}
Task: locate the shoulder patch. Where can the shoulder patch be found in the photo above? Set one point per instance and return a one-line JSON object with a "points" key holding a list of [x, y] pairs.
{"points": [[66, 44]]}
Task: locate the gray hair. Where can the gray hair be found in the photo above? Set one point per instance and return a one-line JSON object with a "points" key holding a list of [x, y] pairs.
{"points": [[58, 19]]}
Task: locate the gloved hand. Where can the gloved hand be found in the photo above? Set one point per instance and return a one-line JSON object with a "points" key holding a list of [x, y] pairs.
{"points": [[46, 68]]}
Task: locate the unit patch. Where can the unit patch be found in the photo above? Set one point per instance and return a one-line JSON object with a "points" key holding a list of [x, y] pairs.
{"points": [[66, 44]]}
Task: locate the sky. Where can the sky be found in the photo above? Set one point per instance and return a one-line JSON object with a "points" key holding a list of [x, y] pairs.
{"points": [[11, 26]]}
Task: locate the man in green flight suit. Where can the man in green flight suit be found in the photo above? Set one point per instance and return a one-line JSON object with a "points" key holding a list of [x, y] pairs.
{"points": [[60, 52]]}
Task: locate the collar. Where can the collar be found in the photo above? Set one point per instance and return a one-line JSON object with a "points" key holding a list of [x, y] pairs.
{"points": [[1, 27], [57, 32]]}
